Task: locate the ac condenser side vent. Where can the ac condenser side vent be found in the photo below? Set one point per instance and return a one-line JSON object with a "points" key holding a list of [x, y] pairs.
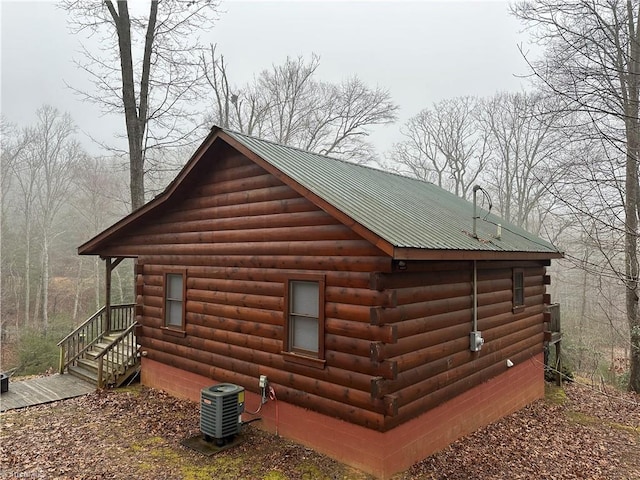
{"points": [[220, 409]]}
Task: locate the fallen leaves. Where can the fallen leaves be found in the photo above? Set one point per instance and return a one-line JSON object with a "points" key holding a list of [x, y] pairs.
{"points": [[547, 440], [136, 433]]}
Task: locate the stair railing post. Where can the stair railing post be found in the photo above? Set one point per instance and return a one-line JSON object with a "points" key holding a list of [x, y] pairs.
{"points": [[61, 364], [107, 299], [100, 372]]}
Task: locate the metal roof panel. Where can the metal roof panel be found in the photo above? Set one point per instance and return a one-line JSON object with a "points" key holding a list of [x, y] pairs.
{"points": [[406, 212]]}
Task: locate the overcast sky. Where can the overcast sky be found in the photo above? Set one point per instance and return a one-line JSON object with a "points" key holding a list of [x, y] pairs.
{"points": [[421, 51]]}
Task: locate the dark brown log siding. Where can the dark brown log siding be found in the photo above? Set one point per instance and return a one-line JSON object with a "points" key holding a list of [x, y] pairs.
{"points": [[433, 320], [396, 342], [240, 233]]}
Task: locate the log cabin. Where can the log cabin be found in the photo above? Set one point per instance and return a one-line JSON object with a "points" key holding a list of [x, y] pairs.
{"points": [[389, 316]]}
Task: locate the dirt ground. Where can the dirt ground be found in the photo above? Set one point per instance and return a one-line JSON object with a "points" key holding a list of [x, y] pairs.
{"points": [[135, 433]]}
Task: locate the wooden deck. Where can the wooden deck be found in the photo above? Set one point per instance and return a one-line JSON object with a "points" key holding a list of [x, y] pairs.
{"points": [[35, 391]]}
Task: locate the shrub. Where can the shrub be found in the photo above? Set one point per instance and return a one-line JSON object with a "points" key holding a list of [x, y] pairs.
{"points": [[550, 374], [622, 380], [566, 368], [38, 351]]}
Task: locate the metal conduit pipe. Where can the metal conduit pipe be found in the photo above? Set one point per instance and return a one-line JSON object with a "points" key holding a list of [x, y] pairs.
{"points": [[475, 337]]}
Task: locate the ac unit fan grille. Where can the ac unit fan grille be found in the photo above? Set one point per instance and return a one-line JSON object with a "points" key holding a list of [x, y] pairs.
{"points": [[220, 409]]}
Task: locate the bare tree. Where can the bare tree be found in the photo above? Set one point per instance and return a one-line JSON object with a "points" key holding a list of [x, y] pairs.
{"points": [[238, 108], [291, 92], [355, 108], [25, 170], [95, 204], [155, 90], [288, 105], [591, 62], [42, 170], [445, 145], [56, 153], [526, 147], [13, 143]]}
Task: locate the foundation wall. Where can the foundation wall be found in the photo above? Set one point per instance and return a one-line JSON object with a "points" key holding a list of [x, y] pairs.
{"points": [[379, 453]]}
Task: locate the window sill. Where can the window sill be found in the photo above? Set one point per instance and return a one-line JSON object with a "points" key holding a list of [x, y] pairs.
{"points": [[173, 332], [303, 360], [518, 309]]}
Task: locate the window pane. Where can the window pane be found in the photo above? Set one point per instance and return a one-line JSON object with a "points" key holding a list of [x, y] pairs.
{"points": [[174, 313], [304, 298], [174, 286], [519, 279], [304, 333], [518, 288]]}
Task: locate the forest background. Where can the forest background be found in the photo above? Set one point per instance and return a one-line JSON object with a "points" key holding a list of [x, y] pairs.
{"points": [[556, 151]]}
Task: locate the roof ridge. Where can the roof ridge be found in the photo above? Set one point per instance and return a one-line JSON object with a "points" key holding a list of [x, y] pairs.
{"points": [[322, 155]]}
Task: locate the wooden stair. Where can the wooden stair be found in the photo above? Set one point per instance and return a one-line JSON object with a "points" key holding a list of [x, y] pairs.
{"points": [[103, 356], [87, 367]]}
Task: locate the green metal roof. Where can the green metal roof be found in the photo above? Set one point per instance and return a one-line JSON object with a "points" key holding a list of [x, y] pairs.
{"points": [[406, 212]]}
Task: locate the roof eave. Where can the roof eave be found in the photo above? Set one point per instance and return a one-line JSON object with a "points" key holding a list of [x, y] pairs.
{"points": [[406, 253]]}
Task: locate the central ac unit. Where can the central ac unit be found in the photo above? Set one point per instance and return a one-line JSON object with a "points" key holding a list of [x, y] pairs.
{"points": [[220, 410]]}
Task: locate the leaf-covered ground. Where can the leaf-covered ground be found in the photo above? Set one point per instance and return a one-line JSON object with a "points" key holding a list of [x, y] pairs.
{"points": [[136, 433]]}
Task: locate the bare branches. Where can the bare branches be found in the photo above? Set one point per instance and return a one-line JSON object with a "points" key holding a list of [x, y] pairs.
{"points": [[42, 159], [155, 60], [445, 145], [592, 62], [286, 104], [526, 148], [358, 107]]}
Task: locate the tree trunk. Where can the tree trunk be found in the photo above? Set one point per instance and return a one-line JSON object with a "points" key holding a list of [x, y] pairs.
{"points": [[76, 298], [16, 284], [120, 290], [27, 273], [135, 119], [45, 282], [583, 305], [631, 200], [36, 307], [631, 257], [134, 134]]}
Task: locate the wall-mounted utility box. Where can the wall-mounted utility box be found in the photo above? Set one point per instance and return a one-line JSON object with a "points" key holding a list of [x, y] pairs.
{"points": [[475, 341]]}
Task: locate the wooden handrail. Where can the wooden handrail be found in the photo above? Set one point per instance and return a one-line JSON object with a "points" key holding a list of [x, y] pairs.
{"points": [[90, 332], [119, 355], [82, 325], [118, 339]]}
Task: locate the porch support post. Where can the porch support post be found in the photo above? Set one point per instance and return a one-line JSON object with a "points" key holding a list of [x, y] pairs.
{"points": [[558, 364], [107, 288]]}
